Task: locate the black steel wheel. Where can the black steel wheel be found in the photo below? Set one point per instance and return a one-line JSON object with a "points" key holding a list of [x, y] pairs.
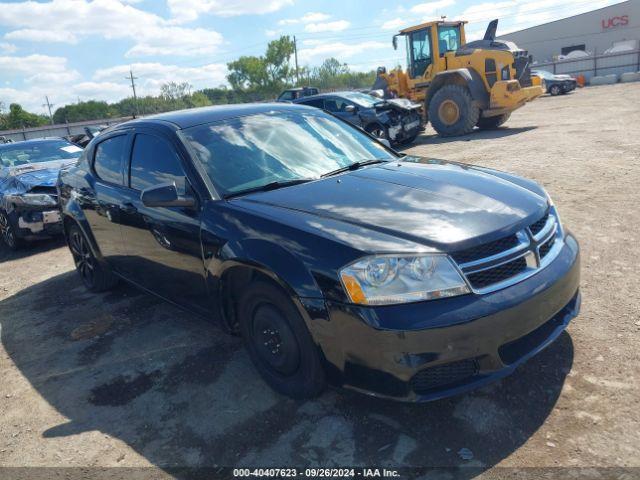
{"points": [[279, 344], [8, 233], [95, 276]]}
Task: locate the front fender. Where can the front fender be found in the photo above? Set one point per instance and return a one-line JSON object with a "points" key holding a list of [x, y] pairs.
{"points": [[71, 210], [272, 260], [461, 76]]}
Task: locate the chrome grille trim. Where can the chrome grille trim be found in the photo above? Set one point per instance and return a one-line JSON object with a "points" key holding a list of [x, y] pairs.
{"points": [[528, 247]]}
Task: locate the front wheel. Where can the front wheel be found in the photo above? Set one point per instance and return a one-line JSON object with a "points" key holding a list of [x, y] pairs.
{"points": [[452, 111], [555, 90], [95, 276], [491, 123], [279, 343], [377, 131], [8, 232]]}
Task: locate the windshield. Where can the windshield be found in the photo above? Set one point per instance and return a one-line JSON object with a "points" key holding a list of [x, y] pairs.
{"points": [[24, 153], [249, 152], [362, 99], [543, 74]]}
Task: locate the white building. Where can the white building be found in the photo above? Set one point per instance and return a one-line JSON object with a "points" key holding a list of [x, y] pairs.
{"points": [[594, 32]]}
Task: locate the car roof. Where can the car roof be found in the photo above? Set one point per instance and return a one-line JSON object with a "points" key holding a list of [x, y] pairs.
{"points": [[33, 140], [331, 94], [198, 116]]}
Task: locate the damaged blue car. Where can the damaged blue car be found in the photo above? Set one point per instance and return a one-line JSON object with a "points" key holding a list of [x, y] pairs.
{"points": [[28, 198]]}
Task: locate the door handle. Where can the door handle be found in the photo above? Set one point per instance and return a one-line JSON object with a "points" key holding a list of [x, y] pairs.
{"points": [[129, 208]]}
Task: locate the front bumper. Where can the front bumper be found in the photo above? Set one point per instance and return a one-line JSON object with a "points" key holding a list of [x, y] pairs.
{"points": [[445, 347], [508, 95], [37, 222]]}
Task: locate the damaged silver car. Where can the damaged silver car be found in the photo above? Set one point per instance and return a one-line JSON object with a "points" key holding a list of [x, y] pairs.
{"points": [[28, 197]]}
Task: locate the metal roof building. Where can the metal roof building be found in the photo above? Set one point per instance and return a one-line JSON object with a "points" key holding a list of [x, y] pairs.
{"points": [[594, 31]]}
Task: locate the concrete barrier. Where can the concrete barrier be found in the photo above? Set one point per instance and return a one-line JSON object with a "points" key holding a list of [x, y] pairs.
{"points": [[604, 80], [630, 77]]}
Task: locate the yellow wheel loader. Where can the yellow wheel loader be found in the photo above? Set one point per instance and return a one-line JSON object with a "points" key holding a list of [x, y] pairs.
{"points": [[461, 85]]}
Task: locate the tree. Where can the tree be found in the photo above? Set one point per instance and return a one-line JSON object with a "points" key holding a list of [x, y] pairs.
{"points": [[265, 74], [20, 118], [175, 91]]}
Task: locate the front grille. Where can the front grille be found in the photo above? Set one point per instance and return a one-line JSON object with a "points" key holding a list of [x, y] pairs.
{"points": [[485, 250], [497, 274], [545, 248], [539, 225], [443, 375]]}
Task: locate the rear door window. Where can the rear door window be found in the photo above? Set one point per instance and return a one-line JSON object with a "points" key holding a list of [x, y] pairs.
{"points": [[153, 162], [108, 160]]}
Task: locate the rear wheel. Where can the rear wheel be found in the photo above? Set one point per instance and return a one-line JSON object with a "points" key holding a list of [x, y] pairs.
{"points": [[95, 276], [279, 343], [490, 123], [8, 232], [452, 111], [555, 90]]}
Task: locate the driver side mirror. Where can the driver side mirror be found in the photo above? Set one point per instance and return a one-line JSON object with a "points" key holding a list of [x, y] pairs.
{"points": [[350, 109], [165, 195], [385, 142]]}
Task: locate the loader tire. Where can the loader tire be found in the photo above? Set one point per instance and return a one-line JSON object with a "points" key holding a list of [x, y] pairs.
{"points": [[491, 123], [452, 111]]}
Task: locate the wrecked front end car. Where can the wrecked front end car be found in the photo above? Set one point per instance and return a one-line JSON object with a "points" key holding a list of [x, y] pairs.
{"points": [[28, 196], [404, 118]]}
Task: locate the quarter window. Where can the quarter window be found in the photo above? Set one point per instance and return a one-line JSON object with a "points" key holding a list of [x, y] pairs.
{"points": [[153, 162], [108, 159]]}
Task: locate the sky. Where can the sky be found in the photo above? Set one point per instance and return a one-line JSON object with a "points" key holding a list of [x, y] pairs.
{"points": [[78, 50]]}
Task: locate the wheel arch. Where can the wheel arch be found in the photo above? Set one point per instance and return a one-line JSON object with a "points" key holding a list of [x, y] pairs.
{"points": [[466, 77], [72, 214], [255, 258]]}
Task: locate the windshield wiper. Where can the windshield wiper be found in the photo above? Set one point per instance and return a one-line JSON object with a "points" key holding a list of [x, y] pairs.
{"points": [[269, 186], [353, 166]]}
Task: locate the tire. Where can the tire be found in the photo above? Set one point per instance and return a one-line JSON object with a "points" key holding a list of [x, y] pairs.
{"points": [[555, 90], [377, 131], [8, 233], [279, 344], [452, 111], [491, 123], [95, 275]]}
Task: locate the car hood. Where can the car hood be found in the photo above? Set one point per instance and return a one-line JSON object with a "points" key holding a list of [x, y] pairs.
{"points": [[431, 202], [24, 178]]}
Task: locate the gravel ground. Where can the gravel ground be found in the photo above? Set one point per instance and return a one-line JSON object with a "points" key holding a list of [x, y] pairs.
{"points": [[123, 379]]}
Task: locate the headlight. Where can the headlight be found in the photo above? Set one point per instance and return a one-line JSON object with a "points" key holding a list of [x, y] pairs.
{"points": [[37, 199], [390, 279]]}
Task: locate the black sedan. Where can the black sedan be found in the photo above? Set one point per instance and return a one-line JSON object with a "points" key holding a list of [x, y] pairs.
{"points": [[28, 174], [397, 120], [337, 260], [556, 84]]}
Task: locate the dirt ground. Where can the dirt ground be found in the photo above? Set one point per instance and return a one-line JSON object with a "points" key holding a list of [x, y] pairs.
{"points": [[123, 379]]}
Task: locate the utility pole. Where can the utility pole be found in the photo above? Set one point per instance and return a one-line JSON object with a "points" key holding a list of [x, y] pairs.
{"points": [[295, 52], [48, 105], [133, 87]]}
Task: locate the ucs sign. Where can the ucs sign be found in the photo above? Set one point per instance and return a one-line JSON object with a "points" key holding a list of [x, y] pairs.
{"points": [[613, 22]]}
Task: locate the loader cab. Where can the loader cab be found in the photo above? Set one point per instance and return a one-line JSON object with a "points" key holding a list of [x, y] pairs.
{"points": [[427, 45]]}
